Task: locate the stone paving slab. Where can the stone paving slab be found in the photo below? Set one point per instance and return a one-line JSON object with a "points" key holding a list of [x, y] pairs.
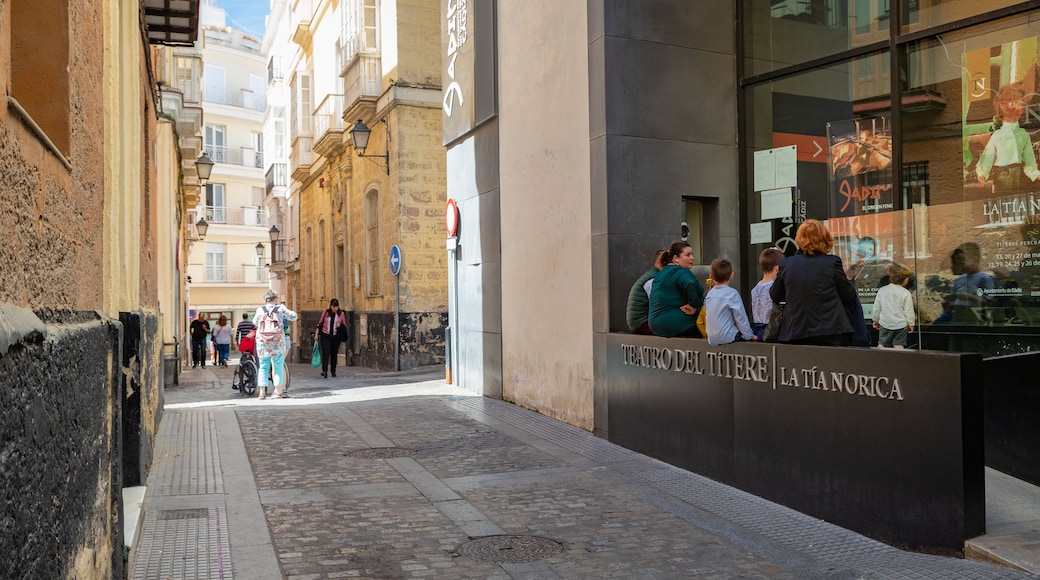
{"points": [[467, 488]]}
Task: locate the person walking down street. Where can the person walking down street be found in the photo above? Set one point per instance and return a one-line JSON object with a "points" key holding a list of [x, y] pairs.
{"points": [[638, 309], [332, 328], [199, 329], [222, 339], [676, 295], [244, 327], [817, 292], [270, 342]]}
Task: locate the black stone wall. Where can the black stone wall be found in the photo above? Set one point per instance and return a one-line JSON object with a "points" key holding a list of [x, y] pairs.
{"points": [[824, 431], [422, 339], [1012, 411], [59, 442], [142, 397]]}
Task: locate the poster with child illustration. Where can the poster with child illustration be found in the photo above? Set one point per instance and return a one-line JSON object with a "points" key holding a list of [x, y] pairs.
{"points": [[1001, 123]]}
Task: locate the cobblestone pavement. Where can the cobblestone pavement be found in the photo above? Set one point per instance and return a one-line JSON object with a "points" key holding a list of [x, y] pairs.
{"points": [[398, 475]]}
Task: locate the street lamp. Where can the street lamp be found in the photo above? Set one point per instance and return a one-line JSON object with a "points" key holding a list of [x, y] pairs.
{"points": [[260, 252], [360, 134], [204, 166], [274, 232], [202, 226]]}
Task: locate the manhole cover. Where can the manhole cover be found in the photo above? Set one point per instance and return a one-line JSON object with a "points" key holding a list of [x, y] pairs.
{"points": [[512, 549], [190, 514], [382, 453]]}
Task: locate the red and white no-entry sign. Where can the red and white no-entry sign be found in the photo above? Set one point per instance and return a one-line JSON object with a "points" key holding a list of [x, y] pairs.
{"points": [[451, 218]]}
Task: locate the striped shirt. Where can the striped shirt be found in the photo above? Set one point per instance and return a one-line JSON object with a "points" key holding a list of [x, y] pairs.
{"points": [[243, 328]]}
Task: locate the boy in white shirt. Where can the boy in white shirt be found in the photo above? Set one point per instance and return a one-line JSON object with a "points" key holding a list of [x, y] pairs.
{"points": [[894, 310], [725, 317]]}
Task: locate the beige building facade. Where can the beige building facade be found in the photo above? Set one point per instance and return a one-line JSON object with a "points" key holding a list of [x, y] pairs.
{"points": [[92, 179], [371, 61]]}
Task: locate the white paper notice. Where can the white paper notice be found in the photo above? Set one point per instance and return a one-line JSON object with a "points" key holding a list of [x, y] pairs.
{"points": [[776, 203], [762, 233], [765, 170], [786, 159]]}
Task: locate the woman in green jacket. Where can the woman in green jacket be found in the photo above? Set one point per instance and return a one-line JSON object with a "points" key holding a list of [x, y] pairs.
{"points": [[676, 295]]}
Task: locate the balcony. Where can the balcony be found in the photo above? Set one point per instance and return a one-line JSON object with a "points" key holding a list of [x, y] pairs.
{"points": [[300, 22], [301, 157], [274, 69], [245, 274], [187, 117], [328, 126], [246, 157], [279, 251], [277, 176], [243, 98], [363, 84], [219, 214]]}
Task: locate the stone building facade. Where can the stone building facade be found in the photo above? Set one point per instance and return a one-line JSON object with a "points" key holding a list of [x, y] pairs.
{"points": [[85, 272], [377, 62]]}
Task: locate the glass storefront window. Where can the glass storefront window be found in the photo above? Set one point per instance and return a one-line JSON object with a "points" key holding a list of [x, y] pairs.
{"points": [[975, 123], [820, 146], [782, 33], [924, 14]]}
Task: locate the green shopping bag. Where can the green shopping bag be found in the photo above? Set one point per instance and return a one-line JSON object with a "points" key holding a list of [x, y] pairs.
{"points": [[316, 356]]}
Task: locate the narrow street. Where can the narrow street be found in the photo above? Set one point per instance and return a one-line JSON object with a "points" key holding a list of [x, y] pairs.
{"points": [[399, 475]]}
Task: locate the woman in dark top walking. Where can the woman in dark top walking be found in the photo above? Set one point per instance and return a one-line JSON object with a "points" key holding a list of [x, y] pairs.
{"points": [[816, 291], [329, 335]]}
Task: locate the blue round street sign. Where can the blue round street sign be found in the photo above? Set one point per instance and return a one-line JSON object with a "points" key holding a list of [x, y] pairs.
{"points": [[395, 260]]}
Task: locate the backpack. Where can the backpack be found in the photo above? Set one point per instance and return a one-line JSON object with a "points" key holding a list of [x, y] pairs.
{"points": [[269, 328]]}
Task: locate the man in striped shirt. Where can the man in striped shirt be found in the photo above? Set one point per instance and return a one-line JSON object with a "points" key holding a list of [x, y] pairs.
{"points": [[244, 327]]}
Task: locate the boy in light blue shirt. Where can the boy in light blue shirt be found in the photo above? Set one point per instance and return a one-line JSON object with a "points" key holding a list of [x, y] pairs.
{"points": [[725, 317]]}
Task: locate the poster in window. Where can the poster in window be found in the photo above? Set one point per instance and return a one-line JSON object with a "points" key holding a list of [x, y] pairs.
{"points": [[1001, 126], [859, 160]]}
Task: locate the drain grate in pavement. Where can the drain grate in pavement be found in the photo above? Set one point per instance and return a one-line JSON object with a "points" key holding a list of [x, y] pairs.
{"points": [[183, 514], [511, 549], [382, 453]]}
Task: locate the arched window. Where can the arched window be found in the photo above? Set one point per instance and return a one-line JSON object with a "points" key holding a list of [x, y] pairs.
{"points": [[308, 279], [373, 245], [322, 269]]}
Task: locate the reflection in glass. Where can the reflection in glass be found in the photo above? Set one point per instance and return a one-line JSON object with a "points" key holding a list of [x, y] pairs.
{"points": [[982, 214], [838, 119], [922, 14]]}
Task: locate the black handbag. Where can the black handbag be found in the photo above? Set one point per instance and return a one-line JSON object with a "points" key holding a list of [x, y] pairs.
{"points": [[776, 318], [341, 332]]}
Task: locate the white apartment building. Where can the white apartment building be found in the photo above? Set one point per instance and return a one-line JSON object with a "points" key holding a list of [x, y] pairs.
{"points": [[277, 202], [228, 266]]}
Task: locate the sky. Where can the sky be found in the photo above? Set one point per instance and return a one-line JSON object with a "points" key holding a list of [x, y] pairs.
{"points": [[247, 15]]}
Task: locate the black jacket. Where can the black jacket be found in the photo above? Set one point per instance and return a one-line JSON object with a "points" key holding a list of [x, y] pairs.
{"points": [[818, 296]]}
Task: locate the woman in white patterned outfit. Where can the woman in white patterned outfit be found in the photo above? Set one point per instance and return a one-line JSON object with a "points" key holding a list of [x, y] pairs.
{"points": [[272, 354]]}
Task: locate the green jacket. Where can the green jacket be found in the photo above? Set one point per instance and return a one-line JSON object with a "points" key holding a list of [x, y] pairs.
{"points": [[638, 309], [675, 286]]}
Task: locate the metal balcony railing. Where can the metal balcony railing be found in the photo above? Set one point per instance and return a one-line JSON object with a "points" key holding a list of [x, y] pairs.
{"points": [[246, 274], [245, 157], [302, 154], [274, 69], [362, 79], [216, 214], [235, 97], [279, 251], [329, 115], [277, 176]]}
